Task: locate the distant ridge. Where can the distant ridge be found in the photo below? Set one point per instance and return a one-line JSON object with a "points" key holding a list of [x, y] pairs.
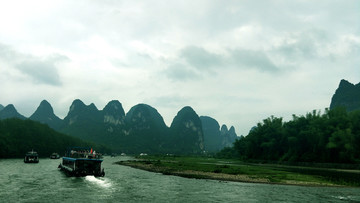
{"points": [[146, 128], [141, 129], [187, 132], [346, 95], [1, 107], [10, 112], [228, 137], [144, 116], [45, 114], [114, 113], [213, 136]]}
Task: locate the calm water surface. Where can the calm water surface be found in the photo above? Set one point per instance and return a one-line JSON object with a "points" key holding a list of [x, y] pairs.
{"points": [[44, 182]]}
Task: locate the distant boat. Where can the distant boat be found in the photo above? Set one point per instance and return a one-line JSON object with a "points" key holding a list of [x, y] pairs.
{"points": [[54, 156], [81, 161], [31, 157]]}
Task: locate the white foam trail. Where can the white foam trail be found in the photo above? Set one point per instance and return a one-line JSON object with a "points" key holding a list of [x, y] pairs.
{"points": [[100, 182]]}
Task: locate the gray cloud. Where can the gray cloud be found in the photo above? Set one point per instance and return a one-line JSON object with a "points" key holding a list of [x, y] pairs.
{"points": [[168, 101], [40, 71], [179, 72], [200, 58], [252, 60], [303, 44], [199, 61], [43, 71], [137, 61], [6, 53], [210, 45]]}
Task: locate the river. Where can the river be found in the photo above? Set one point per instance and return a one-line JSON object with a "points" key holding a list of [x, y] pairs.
{"points": [[43, 182]]}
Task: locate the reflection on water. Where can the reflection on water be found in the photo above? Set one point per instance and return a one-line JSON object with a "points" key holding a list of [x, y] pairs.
{"points": [[44, 182]]}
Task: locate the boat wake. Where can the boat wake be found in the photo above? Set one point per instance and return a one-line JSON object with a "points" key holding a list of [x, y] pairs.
{"points": [[102, 182]]}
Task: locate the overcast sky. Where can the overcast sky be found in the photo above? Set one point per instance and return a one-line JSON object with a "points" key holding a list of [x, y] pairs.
{"points": [[236, 61]]}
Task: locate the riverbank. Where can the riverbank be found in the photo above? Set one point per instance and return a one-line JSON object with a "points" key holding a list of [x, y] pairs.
{"points": [[233, 170]]}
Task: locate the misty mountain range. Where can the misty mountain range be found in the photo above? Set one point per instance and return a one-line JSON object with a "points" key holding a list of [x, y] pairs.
{"points": [[141, 129]]}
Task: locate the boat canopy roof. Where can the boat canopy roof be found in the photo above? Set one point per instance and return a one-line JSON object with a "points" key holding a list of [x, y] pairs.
{"points": [[81, 152], [31, 153]]}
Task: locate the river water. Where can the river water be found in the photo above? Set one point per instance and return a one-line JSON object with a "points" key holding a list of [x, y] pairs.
{"points": [[43, 182]]}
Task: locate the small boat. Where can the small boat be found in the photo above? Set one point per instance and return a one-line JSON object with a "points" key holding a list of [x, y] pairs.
{"points": [[82, 161], [31, 157], [54, 156]]}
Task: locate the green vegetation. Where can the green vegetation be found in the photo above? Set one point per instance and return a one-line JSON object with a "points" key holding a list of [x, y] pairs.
{"points": [[333, 137], [19, 136], [235, 170]]}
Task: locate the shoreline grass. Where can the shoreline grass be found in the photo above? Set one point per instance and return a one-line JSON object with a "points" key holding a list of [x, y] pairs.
{"points": [[235, 170]]}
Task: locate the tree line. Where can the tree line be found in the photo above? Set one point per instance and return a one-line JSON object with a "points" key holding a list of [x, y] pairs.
{"points": [[20, 136], [331, 137]]}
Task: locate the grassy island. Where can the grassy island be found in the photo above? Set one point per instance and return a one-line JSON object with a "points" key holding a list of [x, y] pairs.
{"points": [[234, 170]]}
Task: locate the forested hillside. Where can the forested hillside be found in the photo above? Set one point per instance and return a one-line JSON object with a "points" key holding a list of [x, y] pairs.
{"points": [[332, 137], [18, 136]]}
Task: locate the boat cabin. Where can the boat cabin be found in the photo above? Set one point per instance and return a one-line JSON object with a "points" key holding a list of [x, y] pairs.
{"points": [[31, 157], [79, 161]]}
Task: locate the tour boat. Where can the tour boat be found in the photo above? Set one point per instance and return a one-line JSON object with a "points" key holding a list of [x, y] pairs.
{"points": [[31, 157], [54, 156], [82, 161]]}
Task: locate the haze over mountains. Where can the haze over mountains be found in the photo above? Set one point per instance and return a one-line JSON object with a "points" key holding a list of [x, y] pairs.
{"points": [[142, 129]]}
